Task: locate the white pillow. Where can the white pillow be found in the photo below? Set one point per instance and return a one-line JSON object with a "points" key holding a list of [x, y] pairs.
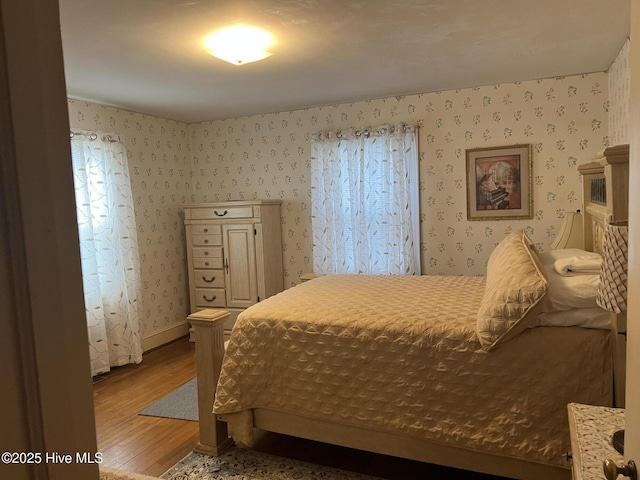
{"points": [[563, 253], [566, 293], [576, 317]]}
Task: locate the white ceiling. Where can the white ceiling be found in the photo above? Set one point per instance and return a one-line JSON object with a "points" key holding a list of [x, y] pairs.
{"points": [[147, 55]]}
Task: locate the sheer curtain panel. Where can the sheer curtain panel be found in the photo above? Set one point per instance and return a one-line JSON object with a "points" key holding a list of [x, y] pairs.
{"points": [[108, 249], [364, 201]]}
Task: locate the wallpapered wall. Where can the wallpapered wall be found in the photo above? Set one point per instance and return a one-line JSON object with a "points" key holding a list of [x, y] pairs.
{"points": [[620, 96], [159, 164], [267, 156]]}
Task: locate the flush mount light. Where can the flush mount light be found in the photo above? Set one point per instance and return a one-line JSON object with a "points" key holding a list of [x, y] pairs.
{"points": [[239, 44]]}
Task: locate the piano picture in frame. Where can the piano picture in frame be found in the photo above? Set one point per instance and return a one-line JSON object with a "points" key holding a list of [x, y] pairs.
{"points": [[499, 183]]}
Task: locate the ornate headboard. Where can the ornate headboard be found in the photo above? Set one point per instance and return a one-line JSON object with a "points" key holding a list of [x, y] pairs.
{"points": [[605, 194], [605, 184]]}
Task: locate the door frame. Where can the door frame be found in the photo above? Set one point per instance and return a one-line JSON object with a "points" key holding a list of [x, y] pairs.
{"points": [[52, 407], [632, 410]]}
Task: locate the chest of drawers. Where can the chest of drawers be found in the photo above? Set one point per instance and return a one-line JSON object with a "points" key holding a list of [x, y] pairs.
{"points": [[234, 254]]}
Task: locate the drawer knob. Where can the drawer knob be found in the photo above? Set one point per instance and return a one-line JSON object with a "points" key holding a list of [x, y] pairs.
{"points": [[206, 264], [206, 240], [611, 470], [220, 214], [208, 280], [206, 230], [209, 299]]}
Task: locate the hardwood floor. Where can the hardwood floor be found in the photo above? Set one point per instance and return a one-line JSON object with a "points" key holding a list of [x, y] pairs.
{"points": [[138, 443], [152, 445]]}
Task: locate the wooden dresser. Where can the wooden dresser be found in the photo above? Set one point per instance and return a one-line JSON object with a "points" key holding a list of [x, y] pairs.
{"points": [[234, 253], [591, 428]]}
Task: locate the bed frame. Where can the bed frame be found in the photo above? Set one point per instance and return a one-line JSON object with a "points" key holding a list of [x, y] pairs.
{"points": [[611, 165]]}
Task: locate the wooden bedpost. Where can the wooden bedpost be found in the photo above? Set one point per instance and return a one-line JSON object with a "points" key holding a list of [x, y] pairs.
{"points": [[209, 339]]}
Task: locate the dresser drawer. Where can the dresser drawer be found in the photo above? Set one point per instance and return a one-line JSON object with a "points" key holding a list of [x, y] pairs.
{"points": [[206, 229], [210, 297], [208, 263], [207, 252], [207, 239], [209, 278], [220, 213]]}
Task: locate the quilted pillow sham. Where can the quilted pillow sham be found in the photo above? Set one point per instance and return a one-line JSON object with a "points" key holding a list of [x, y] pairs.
{"points": [[515, 286]]}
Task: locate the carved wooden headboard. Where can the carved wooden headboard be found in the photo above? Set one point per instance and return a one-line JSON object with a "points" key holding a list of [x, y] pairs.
{"points": [[605, 184]]}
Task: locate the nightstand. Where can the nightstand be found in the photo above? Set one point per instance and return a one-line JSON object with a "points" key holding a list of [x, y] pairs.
{"points": [[591, 429], [309, 276]]}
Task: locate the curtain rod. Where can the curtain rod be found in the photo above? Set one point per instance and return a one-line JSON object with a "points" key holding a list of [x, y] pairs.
{"points": [[381, 130], [92, 136]]}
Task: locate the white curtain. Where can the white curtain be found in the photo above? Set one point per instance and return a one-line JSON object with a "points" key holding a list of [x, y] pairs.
{"points": [[108, 249], [364, 201]]}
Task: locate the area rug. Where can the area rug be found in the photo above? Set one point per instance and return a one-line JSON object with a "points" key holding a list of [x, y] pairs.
{"points": [[245, 464], [182, 403], [107, 473]]}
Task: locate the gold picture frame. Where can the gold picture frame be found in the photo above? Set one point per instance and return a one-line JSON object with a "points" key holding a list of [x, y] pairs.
{"points": [[499, 183]]}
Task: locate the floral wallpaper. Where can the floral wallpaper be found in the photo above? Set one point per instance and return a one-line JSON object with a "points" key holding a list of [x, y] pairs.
{"points": [[267, 156], [566, 120], [158, 156], [620, 97]]}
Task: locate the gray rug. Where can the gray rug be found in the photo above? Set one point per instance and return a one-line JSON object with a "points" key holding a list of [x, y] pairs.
{"points": [[182, 403], [244, 464]]}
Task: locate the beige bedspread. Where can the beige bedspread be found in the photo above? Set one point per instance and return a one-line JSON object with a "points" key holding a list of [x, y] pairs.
{"points": [[400, 354]]}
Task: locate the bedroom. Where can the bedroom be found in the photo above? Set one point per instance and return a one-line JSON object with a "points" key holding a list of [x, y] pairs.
{"points": [[445, 256], [266, 156]]}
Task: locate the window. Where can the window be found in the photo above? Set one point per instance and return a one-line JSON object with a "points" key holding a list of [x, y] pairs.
{"points": [[108, 249], [364, 196]]}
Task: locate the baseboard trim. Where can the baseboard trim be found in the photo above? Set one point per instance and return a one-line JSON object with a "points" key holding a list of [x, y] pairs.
{"points": [[162, 337]]}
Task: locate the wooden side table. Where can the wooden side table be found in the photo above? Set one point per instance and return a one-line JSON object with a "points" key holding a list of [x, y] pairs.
{"points": [[591, 429], [309, 276]]}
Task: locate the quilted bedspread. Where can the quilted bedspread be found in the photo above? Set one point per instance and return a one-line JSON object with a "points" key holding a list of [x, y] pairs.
{"points": [[400, 354]]}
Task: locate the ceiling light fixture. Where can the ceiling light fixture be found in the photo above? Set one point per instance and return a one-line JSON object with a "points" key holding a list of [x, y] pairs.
{"points": [[239, 44]]}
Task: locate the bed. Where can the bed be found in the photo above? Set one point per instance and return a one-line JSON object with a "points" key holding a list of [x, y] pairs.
{"points": [[457, 371]]}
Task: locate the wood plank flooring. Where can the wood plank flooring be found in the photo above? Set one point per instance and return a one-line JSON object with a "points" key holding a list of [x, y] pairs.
{"points": [[137, 443], [152, 445]]}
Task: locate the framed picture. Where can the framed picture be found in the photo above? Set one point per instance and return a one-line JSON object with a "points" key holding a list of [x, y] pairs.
{"points": [[499, 183]]}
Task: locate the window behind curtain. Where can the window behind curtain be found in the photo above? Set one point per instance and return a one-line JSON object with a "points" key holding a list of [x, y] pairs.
{"points": [[364, 195], [108, 249]]}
